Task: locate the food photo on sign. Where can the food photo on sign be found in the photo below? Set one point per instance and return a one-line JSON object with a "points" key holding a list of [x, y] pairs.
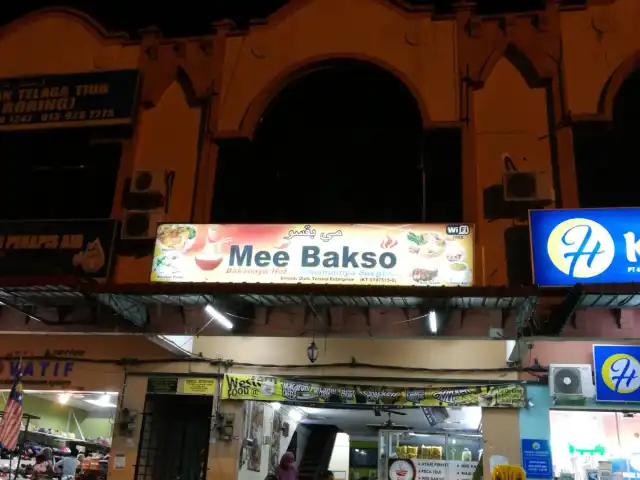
{"points": [[329, 254]]}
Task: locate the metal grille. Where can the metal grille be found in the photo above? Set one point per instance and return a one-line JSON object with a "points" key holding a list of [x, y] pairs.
{"points": [[174, 439]]}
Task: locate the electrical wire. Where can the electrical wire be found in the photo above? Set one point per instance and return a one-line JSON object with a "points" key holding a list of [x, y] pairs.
{"points": [[230, 363]]}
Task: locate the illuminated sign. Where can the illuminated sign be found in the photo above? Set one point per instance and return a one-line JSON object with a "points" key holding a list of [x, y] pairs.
{"points": [[585, 246], [617, 373], [324, 254], [97, 98]]}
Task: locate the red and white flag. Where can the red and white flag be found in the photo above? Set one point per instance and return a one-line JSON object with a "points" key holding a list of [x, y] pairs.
{"points": [[12, 416]]}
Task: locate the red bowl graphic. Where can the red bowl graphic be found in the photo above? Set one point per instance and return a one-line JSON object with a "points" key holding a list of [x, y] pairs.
{"points": [[401, 473]]}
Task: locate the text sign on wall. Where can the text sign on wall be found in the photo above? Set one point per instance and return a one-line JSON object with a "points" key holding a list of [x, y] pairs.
{"points": [[57, 248], [585, 246], [341, 254], [44, 373], [536, 459], [617, 373], [97, 98]]}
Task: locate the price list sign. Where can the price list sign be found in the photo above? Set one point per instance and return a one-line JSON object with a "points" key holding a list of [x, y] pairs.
{"points": [[445, 469]]}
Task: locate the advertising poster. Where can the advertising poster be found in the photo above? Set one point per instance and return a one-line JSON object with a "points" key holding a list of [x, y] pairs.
{"points": [[276, 389], [276, 436], [323, 254], [536, 459], [256, 433], [585, 246]]}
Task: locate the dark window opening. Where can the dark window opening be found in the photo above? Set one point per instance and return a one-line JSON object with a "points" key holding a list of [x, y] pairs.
{"points": [[363, 458], [174, 438], [605, 154], [342, 144], [59, 173]]}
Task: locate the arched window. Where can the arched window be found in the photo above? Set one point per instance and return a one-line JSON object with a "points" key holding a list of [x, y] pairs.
{"points": [[343, 143]]}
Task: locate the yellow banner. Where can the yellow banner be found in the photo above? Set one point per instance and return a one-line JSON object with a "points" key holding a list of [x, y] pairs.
{"points": [[324, 254], [276, 389]]}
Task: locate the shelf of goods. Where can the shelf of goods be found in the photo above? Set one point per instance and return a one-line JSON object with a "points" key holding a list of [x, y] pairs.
{"points": [[32, 440]]}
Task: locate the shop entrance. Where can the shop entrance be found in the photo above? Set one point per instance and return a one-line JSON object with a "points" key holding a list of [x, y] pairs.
{"points": [[595, 441], [365, 443], [174, 439], [62, 424]]}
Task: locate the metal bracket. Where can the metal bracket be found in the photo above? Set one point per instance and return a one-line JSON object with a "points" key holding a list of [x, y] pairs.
{"points": [[617, 316]]}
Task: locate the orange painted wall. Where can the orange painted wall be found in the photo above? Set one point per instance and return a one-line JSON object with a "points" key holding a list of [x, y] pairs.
{"points": [[97, 377], [509, 82]]}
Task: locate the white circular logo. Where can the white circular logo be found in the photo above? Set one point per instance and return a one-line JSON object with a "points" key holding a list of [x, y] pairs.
{"points": [[267, 389], [580, 248], [402, 469]]}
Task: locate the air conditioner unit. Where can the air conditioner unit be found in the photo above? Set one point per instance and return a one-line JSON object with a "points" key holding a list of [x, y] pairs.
{"points": [[148, 181], [571, 382], [527, 186], [141, 224]]}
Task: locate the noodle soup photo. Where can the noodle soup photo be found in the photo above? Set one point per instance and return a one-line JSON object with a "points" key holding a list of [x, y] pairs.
{"points": [[176, 237]]}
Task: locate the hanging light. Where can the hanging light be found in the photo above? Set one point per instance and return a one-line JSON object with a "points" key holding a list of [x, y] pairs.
{"points": [[312, 352]]}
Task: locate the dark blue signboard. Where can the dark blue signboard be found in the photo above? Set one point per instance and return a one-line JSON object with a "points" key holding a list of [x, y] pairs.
{"points": [[536, 458], [585, 246], [81, 248], [82, 99], [617, 373]]}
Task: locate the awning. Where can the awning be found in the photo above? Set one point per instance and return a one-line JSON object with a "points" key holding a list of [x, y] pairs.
{"points": [[131, 302]]}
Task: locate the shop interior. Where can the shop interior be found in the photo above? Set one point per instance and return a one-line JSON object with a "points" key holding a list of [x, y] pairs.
{"points": [[70, 424], [586, 441], [437, 439]]}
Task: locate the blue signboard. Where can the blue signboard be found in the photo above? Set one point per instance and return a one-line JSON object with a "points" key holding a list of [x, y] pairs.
{"points": [[617, 372], [585, 246], [536, 458], [82, 99]]}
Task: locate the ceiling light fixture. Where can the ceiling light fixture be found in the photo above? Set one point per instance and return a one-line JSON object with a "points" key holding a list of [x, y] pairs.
{"points": [[104, 401], [218, 317], [63, 398], [433, 322]]}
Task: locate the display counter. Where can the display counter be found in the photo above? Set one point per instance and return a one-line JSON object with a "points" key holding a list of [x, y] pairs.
{"points": [[404, 455]]}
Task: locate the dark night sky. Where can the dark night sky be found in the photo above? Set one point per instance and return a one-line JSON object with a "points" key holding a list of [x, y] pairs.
{"points": [[194, 17]]}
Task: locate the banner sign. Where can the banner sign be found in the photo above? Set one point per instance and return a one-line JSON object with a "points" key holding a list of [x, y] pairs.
{"points": [[585, 246], [347, 254], [57, 248], [82, 99], [617, 372], [277, 389]]}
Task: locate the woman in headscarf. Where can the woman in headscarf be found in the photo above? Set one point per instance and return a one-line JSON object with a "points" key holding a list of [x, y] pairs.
{"points": [[287, 469]]}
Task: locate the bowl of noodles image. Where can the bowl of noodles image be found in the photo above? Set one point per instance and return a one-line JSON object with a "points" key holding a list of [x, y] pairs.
{"points": [[176, 237]]}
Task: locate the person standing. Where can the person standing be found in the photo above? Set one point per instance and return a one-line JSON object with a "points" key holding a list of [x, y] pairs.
{"points": [[287, 469]]}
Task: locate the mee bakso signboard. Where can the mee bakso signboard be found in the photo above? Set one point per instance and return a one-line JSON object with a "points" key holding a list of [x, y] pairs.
{"points": [[320, 254]]}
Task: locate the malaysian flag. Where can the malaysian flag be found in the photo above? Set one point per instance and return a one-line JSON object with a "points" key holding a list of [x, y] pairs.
{"points": [[12, 416]]}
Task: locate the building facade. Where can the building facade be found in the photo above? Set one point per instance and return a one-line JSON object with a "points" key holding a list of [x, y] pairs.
{"points": [[517, 90]]}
